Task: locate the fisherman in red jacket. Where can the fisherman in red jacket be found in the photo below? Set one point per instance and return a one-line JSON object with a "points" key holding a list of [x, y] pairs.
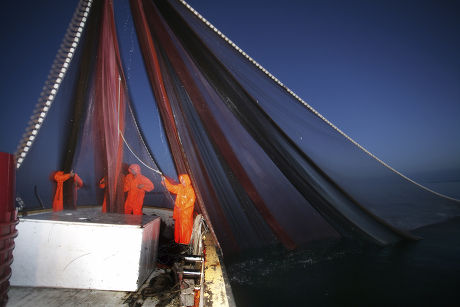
{"points": [[183, 207], [136, 185], [60, 177]]}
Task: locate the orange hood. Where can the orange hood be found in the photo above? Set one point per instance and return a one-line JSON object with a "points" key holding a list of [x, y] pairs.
{"points": [[136, 168], [186, 179]]}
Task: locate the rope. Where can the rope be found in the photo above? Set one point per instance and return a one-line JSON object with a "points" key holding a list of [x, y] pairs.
{"points": [[57, 73], [139, 159], [139, 132], [137, 129], [304, 103]]}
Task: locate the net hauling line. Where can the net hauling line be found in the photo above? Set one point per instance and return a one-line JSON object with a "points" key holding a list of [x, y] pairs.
{"points": [[139, 159], [137, 129]]}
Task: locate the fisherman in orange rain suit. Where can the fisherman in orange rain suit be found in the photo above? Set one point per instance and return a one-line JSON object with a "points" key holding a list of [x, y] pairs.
{"points": [[60, 177], [136, 185], [102, 186], [183, 208]]}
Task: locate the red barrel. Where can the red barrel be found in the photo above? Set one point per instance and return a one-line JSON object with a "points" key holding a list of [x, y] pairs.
{"points": [[8, 222]]}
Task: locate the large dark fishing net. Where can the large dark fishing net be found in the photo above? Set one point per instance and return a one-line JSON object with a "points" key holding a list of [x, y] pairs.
{"points": [[266, 168], [271, 167]]}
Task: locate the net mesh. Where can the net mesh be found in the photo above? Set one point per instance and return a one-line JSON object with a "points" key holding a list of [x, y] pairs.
{"points": [[92, 130], [266, 168]]}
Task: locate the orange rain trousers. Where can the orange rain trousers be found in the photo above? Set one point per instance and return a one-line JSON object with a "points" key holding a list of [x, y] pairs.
{"points": [[135, 198], [183, 208]]}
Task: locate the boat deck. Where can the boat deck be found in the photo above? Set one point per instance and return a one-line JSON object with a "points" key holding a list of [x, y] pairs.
{"points": [[215, 287], [54, 297]]}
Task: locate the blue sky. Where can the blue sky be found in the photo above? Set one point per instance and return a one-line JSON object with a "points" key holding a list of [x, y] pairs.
{"points": [[387, 73]]}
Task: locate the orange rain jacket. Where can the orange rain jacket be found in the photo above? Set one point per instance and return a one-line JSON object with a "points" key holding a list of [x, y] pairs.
{"points": [[135, 198], [60, 177], [183, 208], [58, 201]]}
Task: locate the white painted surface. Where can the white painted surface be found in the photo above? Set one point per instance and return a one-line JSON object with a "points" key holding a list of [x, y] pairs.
{"points": [[59, 297], [85, 249], [52, 297]]}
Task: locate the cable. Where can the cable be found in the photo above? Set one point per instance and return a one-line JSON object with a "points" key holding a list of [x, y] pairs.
{"points": [[139, 159]]}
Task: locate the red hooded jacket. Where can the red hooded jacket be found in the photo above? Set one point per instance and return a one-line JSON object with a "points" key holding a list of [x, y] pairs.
{"points": [[136, 185], [183, 208]]}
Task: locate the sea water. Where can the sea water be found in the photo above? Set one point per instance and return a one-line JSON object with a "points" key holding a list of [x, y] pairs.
{"points": [[347, 273]]}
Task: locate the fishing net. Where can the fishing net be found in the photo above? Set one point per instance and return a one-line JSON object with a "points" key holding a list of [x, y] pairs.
{"points": [[266, 167], [91, 129]]}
